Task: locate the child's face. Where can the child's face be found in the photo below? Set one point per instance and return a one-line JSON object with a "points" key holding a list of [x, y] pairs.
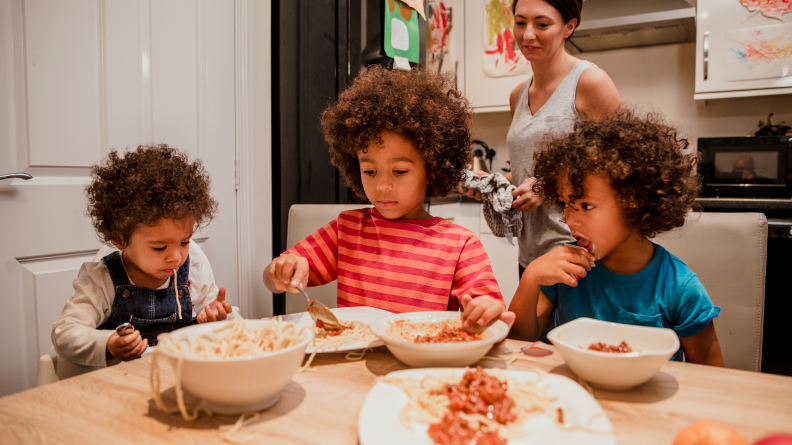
{"points": [[155, 252], [394, 177], [596, 221]]}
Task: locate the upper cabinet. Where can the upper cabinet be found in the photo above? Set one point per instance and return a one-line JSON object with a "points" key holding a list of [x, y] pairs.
{"points": [[743, 48]]}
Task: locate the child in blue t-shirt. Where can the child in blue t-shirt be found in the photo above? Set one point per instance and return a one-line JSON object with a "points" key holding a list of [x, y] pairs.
{"points": [[621, 181]]}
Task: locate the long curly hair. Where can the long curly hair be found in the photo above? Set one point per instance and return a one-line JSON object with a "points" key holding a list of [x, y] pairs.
{"points": [[420, 106], [144, 186], [654, 180]]}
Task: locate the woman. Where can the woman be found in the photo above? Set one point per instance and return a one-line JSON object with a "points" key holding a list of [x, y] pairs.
{"points": [[561, 89]]}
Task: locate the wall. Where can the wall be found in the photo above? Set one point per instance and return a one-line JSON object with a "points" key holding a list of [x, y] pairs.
{"points": [[661, 78]]}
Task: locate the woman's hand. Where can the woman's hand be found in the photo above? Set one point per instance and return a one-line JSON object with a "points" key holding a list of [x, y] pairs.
{"points": [[216, 310], [525, 200], [471, 192], [126, 348], [483, 310], [285, 273], [559, 266]]}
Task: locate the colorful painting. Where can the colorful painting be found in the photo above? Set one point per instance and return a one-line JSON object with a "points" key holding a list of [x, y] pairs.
{"points": [[401, 31], [769, 8], [438, 32], [502, 56], [759, 53]]}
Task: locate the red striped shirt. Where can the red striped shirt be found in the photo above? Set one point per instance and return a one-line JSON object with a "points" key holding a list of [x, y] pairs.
{"points": [[398, 265]]}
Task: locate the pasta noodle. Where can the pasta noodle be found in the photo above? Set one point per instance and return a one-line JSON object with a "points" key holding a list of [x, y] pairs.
{"points": [[234, 339], [445, 331], [351, 332]]}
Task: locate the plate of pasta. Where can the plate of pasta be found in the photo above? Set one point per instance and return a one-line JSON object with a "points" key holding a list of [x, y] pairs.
{"points": [[492, 406], [354, 336]]}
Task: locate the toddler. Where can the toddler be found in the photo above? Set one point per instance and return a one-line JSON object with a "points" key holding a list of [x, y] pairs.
{"points": [[147, 204], [620, 181], [397, 137]]}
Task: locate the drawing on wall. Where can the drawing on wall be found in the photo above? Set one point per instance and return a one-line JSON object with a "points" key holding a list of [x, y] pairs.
{"points": [[401, 32], [758, 53], [769, 8], [502, 56], [438, 36]]}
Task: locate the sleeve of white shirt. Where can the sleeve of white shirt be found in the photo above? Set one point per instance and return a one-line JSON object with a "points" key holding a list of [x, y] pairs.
{"points": [[74, 334]]}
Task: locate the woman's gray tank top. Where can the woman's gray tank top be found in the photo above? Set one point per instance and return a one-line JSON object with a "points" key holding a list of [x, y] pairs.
{"points": [[543, 228]]}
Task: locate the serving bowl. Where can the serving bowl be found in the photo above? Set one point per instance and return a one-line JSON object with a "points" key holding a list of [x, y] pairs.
{"points": [[423, 355], [613, 371], [238, 384]]}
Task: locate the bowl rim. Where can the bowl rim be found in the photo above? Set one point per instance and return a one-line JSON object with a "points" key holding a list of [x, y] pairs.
{"points": [[443, 315], [553, 337], [307, 337]]}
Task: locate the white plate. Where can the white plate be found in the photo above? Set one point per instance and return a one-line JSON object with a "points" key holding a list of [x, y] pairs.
{"points": [[362, 314], [379, 417]]}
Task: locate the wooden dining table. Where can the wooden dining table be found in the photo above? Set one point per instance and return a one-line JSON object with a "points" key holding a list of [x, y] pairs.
{"points": [[322, 405]]}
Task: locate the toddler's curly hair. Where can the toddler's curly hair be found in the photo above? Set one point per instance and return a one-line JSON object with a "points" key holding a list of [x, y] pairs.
{"points": [[654, 181], [420, 106], [146, 185]]}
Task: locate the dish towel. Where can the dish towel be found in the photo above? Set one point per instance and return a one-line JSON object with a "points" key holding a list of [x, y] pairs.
{"points": [[496, 192]]}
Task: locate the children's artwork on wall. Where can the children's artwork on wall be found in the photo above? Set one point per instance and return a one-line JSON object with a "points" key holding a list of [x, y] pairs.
{"points": [[758, 53], [439, 29], [769, 8], [401, 31], [502, 56]]}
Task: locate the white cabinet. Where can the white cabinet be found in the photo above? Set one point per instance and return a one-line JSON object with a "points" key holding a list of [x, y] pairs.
{"points": [[486, 93], [740, 52]]}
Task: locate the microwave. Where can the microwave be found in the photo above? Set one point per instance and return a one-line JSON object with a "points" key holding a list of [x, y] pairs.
{"points": [[746, 167]]}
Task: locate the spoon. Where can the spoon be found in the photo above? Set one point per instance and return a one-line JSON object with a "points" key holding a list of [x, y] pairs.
{"points": [[320, 313]]}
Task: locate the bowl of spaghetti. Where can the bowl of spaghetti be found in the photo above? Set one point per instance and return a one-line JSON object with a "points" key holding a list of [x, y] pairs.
{"points": [[435, 338], [613, 356], [232, 366]]}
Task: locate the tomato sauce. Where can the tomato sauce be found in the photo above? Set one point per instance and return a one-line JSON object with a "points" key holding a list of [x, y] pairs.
{"points": [[477, 393], [447, 334], [622, 347]]}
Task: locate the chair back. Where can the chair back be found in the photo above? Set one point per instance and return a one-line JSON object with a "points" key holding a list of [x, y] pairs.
{"points": [[305, 219], [728, 252]]}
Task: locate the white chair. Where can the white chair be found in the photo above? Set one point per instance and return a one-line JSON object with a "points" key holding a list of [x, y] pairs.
{"points": [[728, 252], [305, 219]]}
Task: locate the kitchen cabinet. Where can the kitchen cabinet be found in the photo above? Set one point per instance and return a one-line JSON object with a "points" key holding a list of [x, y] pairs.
{"points": [[742, 52]]}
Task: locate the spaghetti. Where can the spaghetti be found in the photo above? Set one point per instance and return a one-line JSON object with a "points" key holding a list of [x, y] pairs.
{"points": [[480, 405], [351, 332], [446, 331]]}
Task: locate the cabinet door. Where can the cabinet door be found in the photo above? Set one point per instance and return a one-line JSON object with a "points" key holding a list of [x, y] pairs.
{"points": [[486, 93], [725, 32]]}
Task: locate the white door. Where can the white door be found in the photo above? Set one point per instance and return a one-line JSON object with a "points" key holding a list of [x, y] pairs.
{"points": [[78, 78]]}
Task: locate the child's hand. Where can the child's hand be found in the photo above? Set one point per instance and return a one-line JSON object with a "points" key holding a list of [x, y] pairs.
{"points": [[482, 310], [559, 265], [126, 348], [216, 310], [286, 272]]}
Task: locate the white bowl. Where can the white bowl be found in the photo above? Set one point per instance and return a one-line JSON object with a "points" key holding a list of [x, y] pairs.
{"points": [[614, 371], [423, 355], [239, 384]]}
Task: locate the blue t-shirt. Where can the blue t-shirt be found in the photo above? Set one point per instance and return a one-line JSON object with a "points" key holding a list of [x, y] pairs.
{"points": [[665, 294]]}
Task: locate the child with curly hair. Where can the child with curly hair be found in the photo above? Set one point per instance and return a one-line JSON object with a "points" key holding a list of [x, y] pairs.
{"points": [[620, 181], [397, 137], [147, 204]]}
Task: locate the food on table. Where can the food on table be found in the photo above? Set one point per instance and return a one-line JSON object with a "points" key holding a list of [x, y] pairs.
{"points": [[350, 332], [480, 408], [446, 331], [708, 433], [622, 347]]}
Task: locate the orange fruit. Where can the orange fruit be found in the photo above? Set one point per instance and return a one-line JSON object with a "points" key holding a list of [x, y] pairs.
{"points": [[708, 433]]}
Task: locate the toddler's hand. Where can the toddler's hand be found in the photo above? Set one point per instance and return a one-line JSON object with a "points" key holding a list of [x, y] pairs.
{"points": [[126, 348], [287, 272], [216, 310], [559, 265], [482, 310]]}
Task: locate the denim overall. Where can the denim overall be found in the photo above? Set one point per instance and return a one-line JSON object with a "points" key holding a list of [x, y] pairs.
{"points": [[152, 311]]}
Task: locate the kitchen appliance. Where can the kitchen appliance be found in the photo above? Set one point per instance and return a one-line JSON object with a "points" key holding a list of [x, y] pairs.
{"points": [[747, 167]]}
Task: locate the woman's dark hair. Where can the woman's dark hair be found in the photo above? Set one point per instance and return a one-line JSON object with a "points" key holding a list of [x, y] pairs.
{"points": [[569, 9], [146, 185], [655, 182], [423, 107]]}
